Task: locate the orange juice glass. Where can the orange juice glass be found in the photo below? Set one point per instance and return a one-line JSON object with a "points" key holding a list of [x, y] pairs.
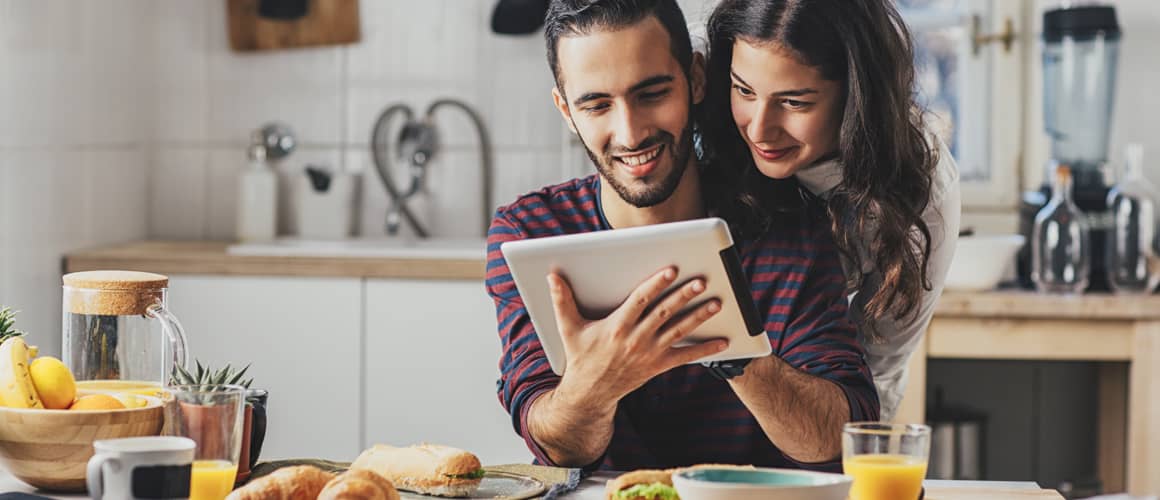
{"points": [[886, 461], [211, 415], [212, 479]]}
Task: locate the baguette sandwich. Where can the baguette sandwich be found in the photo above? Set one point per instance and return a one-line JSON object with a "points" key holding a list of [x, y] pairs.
{"points": [[645, 484], [428, 469]]}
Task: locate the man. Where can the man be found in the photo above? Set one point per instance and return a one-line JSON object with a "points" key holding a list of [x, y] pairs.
{"points": [[626, 83]]}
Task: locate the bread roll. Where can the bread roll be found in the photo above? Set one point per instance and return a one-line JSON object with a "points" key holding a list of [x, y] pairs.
{"points": [[359, 484], [428, 468], [301, 482]]}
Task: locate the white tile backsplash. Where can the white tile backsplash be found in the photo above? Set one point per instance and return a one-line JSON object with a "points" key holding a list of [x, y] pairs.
{"points": [[118, 189], [301, 87], [180, 85], [178, 193]]}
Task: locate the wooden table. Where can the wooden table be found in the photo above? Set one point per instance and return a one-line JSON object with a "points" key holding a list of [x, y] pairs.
{"points": [[1021, 325], [592, 488]]}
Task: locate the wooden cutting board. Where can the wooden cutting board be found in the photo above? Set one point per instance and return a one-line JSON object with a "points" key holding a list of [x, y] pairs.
{"points": [[972, 493], [327, 22]]}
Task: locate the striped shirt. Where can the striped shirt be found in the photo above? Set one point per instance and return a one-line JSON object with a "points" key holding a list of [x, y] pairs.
{"points": [[687, 416]]}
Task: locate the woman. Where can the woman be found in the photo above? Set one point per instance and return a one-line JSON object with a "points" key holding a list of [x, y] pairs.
{"points": [[823, 91]]}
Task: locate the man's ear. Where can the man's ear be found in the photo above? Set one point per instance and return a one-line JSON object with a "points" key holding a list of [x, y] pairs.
{"points": [[562, 106], [697, 77]]}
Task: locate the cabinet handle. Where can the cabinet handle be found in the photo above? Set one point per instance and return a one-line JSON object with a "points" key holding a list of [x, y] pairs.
{"points": [[979, 39]]}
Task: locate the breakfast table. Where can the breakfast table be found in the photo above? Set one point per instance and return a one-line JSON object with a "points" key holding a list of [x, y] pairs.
{"points": [[592, 488]]}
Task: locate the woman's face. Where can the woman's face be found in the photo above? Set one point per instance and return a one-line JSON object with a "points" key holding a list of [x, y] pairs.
{"points": [[788, 114]]}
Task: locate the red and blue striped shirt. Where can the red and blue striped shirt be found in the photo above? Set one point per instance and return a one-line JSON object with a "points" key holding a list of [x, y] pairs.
{"points": [[687, 416]]}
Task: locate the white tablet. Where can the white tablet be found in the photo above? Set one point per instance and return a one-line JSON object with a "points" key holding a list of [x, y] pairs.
{"points": [[604, 267]]}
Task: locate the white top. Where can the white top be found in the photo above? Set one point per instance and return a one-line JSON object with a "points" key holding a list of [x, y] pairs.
{"points": [[888, 357]]}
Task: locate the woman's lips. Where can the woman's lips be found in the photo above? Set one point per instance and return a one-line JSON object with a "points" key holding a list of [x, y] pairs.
{"points": [[773, 154]]}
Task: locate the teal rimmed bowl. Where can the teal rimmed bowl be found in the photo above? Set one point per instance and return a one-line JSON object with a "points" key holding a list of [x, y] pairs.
{"points": [[746, 483]]}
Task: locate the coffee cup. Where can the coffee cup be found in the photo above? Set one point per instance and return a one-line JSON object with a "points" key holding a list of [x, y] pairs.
{"points": [[151, 467]]}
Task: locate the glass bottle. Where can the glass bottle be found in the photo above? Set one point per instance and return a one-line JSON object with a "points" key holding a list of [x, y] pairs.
{"points": [[1131, 258], [1060, 247]]}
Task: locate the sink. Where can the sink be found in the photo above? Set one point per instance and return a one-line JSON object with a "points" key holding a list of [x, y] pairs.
{"points": [[406, 248]]}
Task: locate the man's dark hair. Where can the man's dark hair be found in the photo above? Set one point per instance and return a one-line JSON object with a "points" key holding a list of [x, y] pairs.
{"points": [[581, 17]]}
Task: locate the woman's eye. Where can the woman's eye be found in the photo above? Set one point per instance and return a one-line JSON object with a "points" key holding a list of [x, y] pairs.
{"points": [[795, 104], [743, 91]]}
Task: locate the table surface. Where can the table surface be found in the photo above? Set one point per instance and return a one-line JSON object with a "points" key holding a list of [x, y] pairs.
{"points": [[592, 488]]}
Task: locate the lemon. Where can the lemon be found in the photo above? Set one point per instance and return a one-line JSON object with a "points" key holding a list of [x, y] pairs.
{"points": [[97, 402], [53, 381], [130, 400]]}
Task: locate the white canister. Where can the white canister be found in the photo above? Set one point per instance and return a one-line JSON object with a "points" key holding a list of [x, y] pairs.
{"points": [[325, 210]]}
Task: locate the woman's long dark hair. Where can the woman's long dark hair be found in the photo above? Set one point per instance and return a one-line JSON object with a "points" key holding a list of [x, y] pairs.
{"points": [[886, 159]]}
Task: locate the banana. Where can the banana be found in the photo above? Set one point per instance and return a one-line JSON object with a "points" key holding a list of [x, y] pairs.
{"points": [[16, 389]]}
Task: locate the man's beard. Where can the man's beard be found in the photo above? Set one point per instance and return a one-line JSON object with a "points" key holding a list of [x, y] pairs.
{"points": [[654, 192]]}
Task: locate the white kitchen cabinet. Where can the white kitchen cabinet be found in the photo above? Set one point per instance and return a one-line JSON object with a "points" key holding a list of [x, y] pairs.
{"points": [[431, 358], [302, 336]]}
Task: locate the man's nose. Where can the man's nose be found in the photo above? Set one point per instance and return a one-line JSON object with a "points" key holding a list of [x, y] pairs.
{"points": [[767, 122], [630, 129]]}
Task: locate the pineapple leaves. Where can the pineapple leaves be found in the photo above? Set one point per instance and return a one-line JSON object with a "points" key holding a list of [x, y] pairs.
{"points": [[203, 375]]}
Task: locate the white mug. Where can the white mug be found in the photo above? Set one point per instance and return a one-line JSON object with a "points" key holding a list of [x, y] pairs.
{"points": [[154, 467]]}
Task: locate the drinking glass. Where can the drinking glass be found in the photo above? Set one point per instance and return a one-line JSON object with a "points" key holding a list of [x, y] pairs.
{"points": [[887, 461], [212, 416]]}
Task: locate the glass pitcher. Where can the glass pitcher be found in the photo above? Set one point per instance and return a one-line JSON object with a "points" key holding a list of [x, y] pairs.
{"points": [[117, 332]]}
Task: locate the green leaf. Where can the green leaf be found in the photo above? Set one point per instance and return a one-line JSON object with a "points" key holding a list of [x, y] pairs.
{"points": [[475, 474]]}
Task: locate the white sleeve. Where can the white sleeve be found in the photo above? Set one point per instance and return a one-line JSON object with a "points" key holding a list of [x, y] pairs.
{"points": [[888, 356]]}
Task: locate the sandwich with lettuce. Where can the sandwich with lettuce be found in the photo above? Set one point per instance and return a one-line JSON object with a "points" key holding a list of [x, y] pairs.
{"points": [[644, 484]]}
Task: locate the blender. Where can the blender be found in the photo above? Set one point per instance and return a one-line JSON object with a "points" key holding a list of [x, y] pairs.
{"points": [[1080, 55]]}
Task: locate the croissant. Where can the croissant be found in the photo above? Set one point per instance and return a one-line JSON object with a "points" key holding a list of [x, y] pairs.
{"points": [[301, 482], [359, 484]]}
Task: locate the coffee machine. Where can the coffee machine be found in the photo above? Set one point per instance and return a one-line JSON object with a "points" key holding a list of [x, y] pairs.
{"points": [[1080, 54]]}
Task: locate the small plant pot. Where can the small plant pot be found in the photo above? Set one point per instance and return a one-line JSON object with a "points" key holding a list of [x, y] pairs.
{"points": [[209, 422], [244, 464]]}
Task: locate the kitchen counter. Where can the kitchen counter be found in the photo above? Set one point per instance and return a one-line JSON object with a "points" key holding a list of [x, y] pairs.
{"points": [[212, 258], [1120, 332]]}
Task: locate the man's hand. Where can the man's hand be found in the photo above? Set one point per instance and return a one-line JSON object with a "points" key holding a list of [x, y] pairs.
{"points": [[611, 357]]}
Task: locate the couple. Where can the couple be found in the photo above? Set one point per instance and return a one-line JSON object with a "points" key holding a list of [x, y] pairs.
{"points": [[843, 208]]}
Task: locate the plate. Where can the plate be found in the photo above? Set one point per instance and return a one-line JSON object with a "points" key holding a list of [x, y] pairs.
{"points": [[496, 484]]}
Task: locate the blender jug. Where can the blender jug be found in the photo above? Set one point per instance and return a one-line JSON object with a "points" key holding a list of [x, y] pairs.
{"points": [[1080, 53], [118, 333]]}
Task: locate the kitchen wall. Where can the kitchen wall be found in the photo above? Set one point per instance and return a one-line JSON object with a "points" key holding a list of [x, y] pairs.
{"points": [[209, 98], [73, 144]]}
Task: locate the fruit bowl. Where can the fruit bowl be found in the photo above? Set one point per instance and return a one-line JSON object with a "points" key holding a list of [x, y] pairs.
{"points": [[49, 449]]}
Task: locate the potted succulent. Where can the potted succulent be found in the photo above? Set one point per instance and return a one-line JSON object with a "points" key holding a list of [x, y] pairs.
{"points": [[254, 424]]}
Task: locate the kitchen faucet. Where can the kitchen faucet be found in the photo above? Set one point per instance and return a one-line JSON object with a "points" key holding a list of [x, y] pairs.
{"points": [[416, 144]]}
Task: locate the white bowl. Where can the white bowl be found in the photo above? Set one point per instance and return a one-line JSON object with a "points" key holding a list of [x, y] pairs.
{"points": [[744, 483], [981, 261]]}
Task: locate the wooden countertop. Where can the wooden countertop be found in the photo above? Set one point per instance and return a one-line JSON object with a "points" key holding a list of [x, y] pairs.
{"points": [[1028, 304], [166, 257], [211, 258]]}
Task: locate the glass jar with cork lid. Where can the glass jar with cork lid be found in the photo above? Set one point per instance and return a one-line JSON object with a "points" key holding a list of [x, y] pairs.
{"points": [[118, 334]]}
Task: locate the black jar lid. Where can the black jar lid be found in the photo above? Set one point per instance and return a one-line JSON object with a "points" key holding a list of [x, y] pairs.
{"points": [[1080, 23]]}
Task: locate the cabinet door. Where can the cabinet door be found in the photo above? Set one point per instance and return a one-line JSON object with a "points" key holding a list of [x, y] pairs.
{"points": [[432, 361], [301, 337]]}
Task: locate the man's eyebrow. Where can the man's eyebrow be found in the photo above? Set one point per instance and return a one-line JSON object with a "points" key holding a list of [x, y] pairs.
{"points": [[643, 84], [784, 93], [650, 81]]}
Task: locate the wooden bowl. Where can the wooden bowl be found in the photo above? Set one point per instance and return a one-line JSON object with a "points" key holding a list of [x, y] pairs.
{"points": [[49, 449]]}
